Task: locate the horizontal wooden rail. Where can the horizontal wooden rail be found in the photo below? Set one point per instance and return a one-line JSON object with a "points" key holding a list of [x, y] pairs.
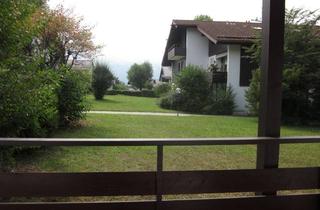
{"points": [[144, 183], [154, 142], [77, 184], [159, 183], [296, 202]]}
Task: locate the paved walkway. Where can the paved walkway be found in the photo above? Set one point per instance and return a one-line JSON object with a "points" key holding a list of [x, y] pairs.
{"points": [[142, 113]]}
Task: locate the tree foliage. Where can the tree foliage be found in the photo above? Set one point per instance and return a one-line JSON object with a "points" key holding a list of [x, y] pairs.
{"points": [[203, 18], [71, 98], [17, 27], [63, 39], [28, 102], [220, 102], [140, 74], [35, 89], [253, 93], [301, 75], [194, 85], [102, 79]]}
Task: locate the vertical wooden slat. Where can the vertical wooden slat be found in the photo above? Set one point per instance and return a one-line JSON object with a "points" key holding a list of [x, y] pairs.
{"points": [[272, 64], [159, 174]]}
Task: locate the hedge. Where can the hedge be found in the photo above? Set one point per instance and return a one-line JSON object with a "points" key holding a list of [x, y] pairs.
{"points": [[143, 93]]}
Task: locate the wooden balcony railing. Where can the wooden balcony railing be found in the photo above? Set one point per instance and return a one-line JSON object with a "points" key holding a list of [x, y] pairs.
{"points": [[176, 52], [159, 183]]}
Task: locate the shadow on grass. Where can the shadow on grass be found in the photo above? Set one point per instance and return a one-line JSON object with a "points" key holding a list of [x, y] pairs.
{"points": [[28, 157], [105, 100]]}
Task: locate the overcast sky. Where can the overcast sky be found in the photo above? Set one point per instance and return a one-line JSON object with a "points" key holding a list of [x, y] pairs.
{"points": [[136, 30]]}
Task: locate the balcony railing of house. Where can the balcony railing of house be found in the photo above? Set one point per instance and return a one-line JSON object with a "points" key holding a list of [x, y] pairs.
{"points": [[176, 52], [160, 182], [266, 180]]}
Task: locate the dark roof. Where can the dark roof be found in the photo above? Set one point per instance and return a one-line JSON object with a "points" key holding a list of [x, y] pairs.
{"points": [[223, 31]]}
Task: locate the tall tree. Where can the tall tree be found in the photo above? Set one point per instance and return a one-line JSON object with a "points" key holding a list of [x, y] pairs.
{"points": [[17, 26], [64, 38], [102, 79], [139, 75], [203, 18], [301, 75]]}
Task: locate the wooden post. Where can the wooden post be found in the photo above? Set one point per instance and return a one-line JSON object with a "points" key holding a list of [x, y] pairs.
{"points": [[271, 77], [159, 175]]}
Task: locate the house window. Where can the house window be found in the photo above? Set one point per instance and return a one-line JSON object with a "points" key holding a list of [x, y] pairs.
{"points": [[224, 64], [181, 65], [246, 68]]}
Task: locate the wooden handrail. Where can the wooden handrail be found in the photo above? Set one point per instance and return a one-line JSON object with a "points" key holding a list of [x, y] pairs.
{"points": [[159, 182], [155, 141]]}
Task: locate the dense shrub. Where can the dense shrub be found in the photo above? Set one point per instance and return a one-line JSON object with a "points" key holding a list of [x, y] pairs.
{"points": [[162, 89], [6, 158], [301, 74], [71, 95], [148, 85], [220, 102], [85, 77], [102, 79], [148, 93], [143, 93], [172, 101], [28, 107], [120, 86], [253, 93], [28, 102], [194, 85], [295, 110]]}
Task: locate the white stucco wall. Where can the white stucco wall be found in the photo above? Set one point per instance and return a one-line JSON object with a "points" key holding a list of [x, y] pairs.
{"points": [[197, 48], [234, 57]]}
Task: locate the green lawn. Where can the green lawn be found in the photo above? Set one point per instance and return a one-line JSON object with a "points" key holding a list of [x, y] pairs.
{"points": [[176, 158], [125, 103]]}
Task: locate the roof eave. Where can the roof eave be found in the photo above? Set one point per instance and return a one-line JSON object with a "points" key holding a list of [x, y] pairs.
{"points": [[235, 41]]}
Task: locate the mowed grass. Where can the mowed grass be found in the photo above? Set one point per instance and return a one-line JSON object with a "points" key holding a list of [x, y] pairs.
{"points": [[125, 103], [80, 159]]}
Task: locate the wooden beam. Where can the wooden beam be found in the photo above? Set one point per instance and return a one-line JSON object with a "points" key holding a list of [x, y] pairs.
{"points": [[157, 183], [272, 64], [155, 142], [295, 202]]}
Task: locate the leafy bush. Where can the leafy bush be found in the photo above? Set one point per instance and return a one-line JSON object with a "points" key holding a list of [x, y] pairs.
{"points": [[253, 93], [102, 79], [28, 107], [194, 85], [28, 102], [148, 85], [71, 95], [301, 75], [120, 86], [162, 89], [172, 101], [6, 158], [220, 102], [143, 93], [85, 77]]}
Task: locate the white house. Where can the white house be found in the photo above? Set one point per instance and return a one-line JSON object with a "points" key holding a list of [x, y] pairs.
{"points": [[204, 43]]}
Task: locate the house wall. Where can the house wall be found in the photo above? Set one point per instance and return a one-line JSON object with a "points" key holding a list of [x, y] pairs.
{"points": [[197, 52], [234, 56]]}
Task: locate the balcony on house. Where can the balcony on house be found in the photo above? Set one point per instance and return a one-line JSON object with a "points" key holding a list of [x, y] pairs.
{"points": [[176, 52]]}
